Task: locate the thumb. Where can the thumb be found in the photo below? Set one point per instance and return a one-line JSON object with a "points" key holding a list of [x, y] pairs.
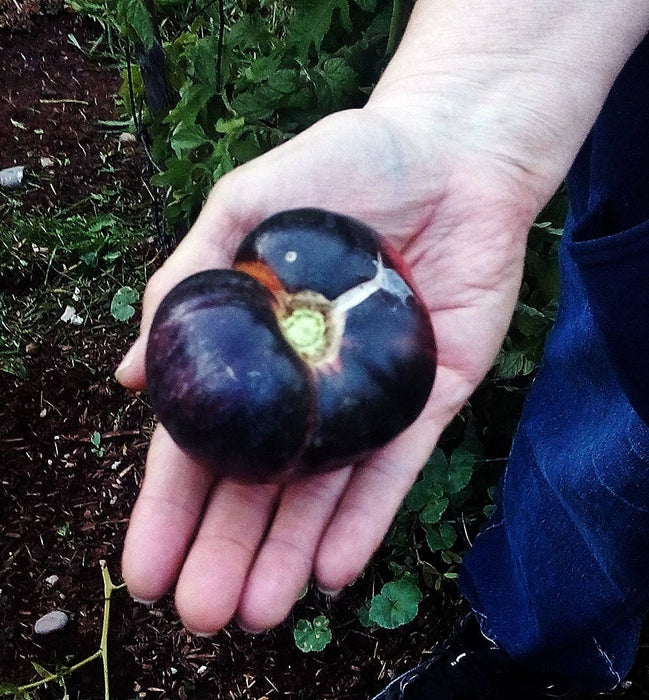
{"points": [[209, 244]]}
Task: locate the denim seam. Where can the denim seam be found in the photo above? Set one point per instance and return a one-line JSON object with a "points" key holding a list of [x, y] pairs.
{"points": [[636, 445], [616, 495], [609, 663], [570, 514]]}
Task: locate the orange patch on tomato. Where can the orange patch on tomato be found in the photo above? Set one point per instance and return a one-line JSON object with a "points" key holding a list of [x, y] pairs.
{"points": [[262, 273]]}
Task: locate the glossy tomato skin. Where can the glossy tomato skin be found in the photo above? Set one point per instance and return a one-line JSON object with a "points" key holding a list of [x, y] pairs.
{"points": [[223, 380], [235, 390], [386, 371], [331, 253]]}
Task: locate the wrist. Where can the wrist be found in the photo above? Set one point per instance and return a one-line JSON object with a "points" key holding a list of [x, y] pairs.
{"points": [[519, 84]]}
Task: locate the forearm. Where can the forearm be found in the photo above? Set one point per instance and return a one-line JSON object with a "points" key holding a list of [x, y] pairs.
{"points": [[521, 82]]}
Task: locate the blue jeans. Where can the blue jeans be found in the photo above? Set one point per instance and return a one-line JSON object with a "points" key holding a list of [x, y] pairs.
{"points": [[560, 576]]}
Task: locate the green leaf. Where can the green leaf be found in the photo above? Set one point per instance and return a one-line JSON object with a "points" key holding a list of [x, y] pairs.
{"points": [[187, 137], [102, 222], [202, 60], [441, 537], [14, 690], [178, 175], [312, 636], [433, 510], [460, 470], [513, 363], [338, 80], [245, 147], [249, 32], [285, 88], [396, 604], [89, 259], [230, 126], [135, 16], [340, 77], [314, 21], [454, 475], [42, 671], [417, 496], [193, 100], [436, 464], [364, 616], [262, 67], [531, 322], [121, 306]]}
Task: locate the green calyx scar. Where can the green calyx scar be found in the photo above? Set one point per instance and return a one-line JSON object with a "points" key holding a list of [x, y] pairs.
{"points": [[314, 325], [306, 330]]}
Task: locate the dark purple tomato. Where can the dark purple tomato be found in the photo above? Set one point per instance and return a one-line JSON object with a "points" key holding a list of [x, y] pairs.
{"points": [[311, 353]]}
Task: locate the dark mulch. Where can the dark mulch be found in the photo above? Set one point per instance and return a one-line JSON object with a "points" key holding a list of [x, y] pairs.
{"points": [[52, 103], [65, 502]]}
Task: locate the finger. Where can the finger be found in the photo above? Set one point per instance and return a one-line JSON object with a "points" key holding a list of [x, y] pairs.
{"points": [[284, 564], [377, 489], [209, 244], [212, 579], [163, 520]]}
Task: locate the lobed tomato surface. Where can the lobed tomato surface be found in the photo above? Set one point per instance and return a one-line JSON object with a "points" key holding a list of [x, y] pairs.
{"points": [[309, 354]]}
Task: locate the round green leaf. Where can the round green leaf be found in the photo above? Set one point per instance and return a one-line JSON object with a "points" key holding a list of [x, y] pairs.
{"points": [[312, 636], [396, 604], [121, 306]]}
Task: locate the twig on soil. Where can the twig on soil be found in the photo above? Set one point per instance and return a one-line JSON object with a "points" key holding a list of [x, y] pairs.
{"points": [[64, 101]]}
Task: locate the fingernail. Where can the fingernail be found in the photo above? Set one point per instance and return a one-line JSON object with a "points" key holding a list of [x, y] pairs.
{"points": [[330, 593], [203, 635], [248, 630]]}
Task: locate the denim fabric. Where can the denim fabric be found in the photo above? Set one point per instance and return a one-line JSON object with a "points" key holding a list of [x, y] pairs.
{"points": [[560, 577]]}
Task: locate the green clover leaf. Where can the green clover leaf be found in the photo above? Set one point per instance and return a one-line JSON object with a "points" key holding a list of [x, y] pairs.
{"points": [[312, 636], [121, 306], [396, 604]]}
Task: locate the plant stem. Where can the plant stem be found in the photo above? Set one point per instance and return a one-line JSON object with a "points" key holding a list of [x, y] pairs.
{"points": [[109, 587], [395, 27], [61, 674]]}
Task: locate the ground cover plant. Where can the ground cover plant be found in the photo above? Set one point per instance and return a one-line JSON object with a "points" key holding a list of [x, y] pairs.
{"points": [[77, 243]]}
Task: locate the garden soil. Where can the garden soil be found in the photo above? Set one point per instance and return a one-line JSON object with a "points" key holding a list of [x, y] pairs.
{"points": [[65, 501]]}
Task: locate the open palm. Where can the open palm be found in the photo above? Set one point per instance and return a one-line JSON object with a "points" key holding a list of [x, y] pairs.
{"points": [[460, 220]]}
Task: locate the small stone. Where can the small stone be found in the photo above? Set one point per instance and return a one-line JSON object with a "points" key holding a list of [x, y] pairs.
{"points": [[12, 177], [127, 138], [46, 162], [52, 580], [71, 316], [53, 621]]}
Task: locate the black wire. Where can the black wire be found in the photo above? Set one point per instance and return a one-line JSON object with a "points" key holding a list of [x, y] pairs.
{"points": [[143, 137], [219, 50]]}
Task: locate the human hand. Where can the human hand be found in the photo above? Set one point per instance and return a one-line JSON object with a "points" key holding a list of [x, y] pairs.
{"points": [[460, 221], [471, 128]]}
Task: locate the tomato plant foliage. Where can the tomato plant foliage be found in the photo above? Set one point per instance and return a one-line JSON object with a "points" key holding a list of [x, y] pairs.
{"points": [[243, 77]]}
